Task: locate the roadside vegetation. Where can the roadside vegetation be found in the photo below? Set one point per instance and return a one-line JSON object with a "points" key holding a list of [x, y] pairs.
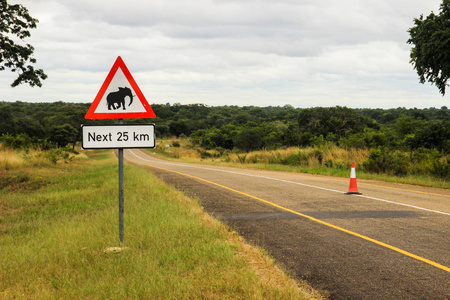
{"points": [[58, 217], [420, 167], [405, 145]]}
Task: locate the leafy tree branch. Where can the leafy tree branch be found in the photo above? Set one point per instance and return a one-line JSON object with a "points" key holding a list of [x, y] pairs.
{"points": [[16, 22], [430, 54]]}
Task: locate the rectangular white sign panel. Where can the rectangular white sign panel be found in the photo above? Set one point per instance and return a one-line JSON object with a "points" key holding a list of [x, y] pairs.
{"points": [[118, 136]]}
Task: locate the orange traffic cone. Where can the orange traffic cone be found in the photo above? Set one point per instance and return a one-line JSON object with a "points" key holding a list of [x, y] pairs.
{"points": [[353, 189]]}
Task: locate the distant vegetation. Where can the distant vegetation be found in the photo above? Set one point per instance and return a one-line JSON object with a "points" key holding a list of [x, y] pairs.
{"points": [[399, 141]]}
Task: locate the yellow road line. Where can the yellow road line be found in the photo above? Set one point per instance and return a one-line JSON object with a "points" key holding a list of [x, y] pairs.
{"points": [[442, 267]]}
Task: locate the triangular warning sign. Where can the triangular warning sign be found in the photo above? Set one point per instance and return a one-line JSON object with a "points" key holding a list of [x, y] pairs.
{"points": [[119, 97]]}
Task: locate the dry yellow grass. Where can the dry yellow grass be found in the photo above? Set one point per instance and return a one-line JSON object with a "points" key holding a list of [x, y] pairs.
{"points": [[327, 155], [186, 150], [9, 159]]}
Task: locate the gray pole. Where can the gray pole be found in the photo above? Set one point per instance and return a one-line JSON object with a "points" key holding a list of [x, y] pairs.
{"points": [[120, 121]]}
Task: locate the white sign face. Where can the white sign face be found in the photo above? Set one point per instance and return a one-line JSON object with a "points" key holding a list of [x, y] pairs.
{"points": [[118, 136], [119, 97]]}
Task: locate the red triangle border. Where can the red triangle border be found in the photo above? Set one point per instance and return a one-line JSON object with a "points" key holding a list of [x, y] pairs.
{"points": [[91, 114]]}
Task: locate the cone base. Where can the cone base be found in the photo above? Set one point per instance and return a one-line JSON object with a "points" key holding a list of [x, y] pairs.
{"points": [[353, 193]]}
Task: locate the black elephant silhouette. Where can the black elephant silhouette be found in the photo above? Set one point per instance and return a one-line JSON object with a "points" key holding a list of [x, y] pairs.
{"points": [[118, 98]]}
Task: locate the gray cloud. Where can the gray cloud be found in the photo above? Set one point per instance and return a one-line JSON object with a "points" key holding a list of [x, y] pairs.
{"points": [[252, 52]]}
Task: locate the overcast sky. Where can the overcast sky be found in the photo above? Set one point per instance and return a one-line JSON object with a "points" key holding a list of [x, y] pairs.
{"points": [[238, 52]]}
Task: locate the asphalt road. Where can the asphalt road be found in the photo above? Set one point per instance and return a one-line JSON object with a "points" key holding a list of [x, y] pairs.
{"points": [[392, 242]]}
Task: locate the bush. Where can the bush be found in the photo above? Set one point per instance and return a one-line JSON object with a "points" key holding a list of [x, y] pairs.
{"points": [[318, 154], [242, 158], [20, 141], [62, 153], [441, 168], [294, 159], [43, 144], [381, 160], [399, 164], [204, 154]]}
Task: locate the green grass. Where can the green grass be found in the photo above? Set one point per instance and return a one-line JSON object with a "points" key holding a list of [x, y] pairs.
{"points": [[53, 237]]}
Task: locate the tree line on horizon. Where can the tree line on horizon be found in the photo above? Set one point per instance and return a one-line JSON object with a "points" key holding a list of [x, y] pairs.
{"points": [[246, 128]]}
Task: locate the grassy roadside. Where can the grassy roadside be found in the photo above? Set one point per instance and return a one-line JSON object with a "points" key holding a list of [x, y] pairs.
{"points": [[315, 161], [53, 234]]}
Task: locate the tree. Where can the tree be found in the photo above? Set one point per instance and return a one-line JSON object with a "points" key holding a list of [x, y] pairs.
{"points": [[63, 134], [6, 120], [430, 54], [249, 139], [15, 20], [336, 120]]}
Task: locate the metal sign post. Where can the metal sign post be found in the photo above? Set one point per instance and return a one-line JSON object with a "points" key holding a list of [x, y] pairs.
{"points": [[121, 202]]}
